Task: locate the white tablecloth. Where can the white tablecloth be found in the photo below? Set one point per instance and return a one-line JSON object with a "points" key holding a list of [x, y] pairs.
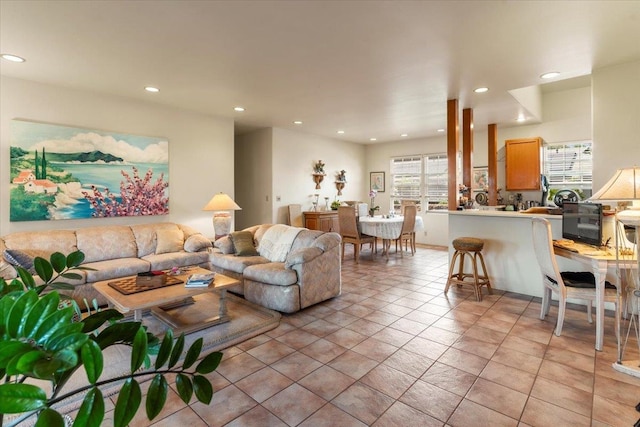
{"points": [[386, 228]]}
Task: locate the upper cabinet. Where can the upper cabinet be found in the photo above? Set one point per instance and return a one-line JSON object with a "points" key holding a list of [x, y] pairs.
{"points": [[522, 164]]}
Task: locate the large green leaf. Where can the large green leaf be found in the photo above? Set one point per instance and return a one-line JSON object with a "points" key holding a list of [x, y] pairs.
{"points": [[209, 363], [18, 312], [91, 411], [123, 332], [74, 259], [49, 418], [63, 286], [11, 349], [60, 334], [45, 306], [99, 318], [26, 278], [177, 351], [202, 388], [25, 363], [58, 262], [43, 269], [52, 322], [16, 398], [128, 403], [71, 276], [185, 388], [60, 362], [193, 353], [69, 342], [92, 360], [165, 349], [156, 396], [139, 351]]}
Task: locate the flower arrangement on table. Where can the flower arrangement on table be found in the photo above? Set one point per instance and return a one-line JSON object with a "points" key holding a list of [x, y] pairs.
{"points": [[372, 207]]}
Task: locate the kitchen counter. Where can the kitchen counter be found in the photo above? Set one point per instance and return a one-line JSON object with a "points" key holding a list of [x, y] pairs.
{"points": [[504, 214]]}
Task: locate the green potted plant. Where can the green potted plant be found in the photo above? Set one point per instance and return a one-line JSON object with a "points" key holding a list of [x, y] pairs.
{"points": [[41, 341], [335, 205]]}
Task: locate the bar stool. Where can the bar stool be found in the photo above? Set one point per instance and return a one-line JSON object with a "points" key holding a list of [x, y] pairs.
{"points": [[471, 247]]}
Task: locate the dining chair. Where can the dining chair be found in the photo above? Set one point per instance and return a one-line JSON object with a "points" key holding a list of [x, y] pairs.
{"points": [[295, 215], [407, 234], [575, 285], [351, 234]]}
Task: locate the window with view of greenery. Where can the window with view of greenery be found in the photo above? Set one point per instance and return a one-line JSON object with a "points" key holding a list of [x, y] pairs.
{"points": [[569, 165], [421, 179]]}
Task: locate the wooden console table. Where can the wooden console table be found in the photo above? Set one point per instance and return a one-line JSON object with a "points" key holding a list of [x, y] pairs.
{"points": [[322, 220]]}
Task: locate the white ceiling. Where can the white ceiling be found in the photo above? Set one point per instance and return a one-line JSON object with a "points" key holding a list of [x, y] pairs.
{"points": [[371, 68]]}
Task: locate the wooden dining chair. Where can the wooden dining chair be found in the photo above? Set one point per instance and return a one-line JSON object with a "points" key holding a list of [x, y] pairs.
{"points": [[578, 285], [407, 234], [351, 234]]}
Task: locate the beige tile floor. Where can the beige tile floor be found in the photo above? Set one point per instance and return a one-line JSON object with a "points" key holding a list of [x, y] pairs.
{"points": [[393, 350]]}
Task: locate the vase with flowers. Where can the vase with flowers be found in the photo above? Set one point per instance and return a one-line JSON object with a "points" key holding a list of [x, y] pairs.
{"points": [[372, 207]]}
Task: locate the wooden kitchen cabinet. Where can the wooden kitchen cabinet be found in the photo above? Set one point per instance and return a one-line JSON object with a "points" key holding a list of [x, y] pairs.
{"points": [[522, 164], [322, 220]]}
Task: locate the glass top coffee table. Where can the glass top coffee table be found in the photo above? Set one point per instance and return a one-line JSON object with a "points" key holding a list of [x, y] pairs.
{"points": [[161, 301]]}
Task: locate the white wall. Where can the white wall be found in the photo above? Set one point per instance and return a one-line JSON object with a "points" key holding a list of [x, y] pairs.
{"points": [[616, 120], [197, 143], [295, 154], [253, 178]]}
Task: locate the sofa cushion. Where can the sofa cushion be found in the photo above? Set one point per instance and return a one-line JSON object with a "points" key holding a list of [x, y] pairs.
{"points": [[197, 242], [176, 259], [169, 240], [104, 243], [235, 263], [243, 243], [52, 241], [225, 245], [272, 273], [24, 258], [115, 268]]}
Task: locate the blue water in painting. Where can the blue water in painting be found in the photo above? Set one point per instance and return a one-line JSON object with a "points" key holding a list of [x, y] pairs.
{"points": [[104, 176]]}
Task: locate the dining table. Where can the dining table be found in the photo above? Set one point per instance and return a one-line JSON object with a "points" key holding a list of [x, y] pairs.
{"points": [[386, 227]]}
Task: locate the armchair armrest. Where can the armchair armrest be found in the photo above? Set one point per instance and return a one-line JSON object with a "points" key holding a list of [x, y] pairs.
{"points": [[302, 255]]}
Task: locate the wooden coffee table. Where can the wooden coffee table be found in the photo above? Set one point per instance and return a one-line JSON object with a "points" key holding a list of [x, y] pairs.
{"points": [[162, 300]]}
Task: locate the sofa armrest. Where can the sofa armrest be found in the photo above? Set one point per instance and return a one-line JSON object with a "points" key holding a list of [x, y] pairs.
{"points": [[327, 241], [302, 255]]}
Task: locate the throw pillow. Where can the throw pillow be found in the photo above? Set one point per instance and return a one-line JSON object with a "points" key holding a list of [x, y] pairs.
{"points": [[225, 245], [24, 258], [243, 243], [196, 242], [169, 240]]}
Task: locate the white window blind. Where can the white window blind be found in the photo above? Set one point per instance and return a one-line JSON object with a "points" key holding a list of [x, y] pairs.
{"points": [[569, 164], [420, 178]]}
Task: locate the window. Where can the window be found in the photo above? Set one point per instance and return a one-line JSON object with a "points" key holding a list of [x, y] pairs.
{"points": [[569, 165], [421, 179]]}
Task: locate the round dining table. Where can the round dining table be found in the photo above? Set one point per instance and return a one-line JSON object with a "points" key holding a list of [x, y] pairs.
{"points": [[385, 227]]}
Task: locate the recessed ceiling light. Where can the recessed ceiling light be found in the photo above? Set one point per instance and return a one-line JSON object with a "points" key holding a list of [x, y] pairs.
{"points": [[521, 118], [404, 134], [341, 132], [297, 122], [239, 109], [152, 89], [550, 75], [12, 58], [481, 90], [440, 130], [373, 139]]}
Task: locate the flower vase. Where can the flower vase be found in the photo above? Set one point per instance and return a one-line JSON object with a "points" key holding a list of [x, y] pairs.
{"points": [[372, 213]]}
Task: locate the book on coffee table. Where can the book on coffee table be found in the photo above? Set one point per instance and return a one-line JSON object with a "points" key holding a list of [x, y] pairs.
{"points": [[199, 280]]}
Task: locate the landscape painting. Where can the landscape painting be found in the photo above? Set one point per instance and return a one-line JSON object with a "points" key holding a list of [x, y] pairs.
{"points": [[61, 172]]}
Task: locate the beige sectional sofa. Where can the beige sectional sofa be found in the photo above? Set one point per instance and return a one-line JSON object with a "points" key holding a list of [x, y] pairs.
{"points": [[112, 251], [309, 273]]}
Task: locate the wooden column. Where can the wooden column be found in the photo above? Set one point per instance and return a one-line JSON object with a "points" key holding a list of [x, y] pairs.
{"points": [[467, 148], [492, 146], [452, 152]]}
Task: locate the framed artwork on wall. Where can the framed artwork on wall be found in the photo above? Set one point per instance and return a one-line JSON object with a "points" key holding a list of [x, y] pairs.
{"points": [[480, 178], [62, 172], [376, 181]]}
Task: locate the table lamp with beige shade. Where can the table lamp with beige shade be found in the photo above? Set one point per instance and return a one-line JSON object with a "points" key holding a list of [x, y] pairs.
{"points": [[221, 205], [624, 186]]}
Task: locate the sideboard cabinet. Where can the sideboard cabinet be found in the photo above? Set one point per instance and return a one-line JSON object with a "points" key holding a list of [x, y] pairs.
{"points": [[322, 220], [522, 164]]}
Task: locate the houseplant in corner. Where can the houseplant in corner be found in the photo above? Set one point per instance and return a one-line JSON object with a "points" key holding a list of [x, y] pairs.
{"points": [[39, 341]]}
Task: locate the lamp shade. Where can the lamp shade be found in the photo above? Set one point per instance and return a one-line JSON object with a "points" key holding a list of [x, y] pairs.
{"points": [[624, 185], [221, 202]]}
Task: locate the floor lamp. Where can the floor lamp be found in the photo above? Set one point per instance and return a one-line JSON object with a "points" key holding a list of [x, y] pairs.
{"points": [[625, 186], [221, 204]]}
